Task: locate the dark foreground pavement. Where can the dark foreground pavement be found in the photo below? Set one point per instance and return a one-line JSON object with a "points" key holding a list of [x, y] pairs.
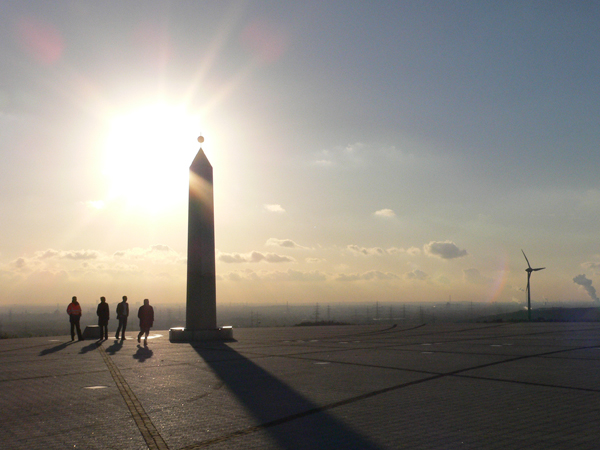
{"points": [[469, 386]]}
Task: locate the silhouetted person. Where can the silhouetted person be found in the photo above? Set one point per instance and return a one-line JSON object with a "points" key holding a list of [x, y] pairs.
{"points": [[103, 315], [74, 312], [122, 314], [146, 316]]}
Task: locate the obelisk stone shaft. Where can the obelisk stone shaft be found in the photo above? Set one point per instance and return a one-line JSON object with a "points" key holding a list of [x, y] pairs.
{"points": [[201, 306]]}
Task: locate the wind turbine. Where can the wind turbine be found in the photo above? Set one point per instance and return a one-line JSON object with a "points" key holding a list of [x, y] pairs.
{"points": [[529, 270]]}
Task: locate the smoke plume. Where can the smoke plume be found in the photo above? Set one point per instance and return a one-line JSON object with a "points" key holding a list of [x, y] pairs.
{"points": [[582, 280]]}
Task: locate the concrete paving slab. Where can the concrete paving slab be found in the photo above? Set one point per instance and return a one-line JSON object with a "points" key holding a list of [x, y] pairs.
{"points": [[565, 372], [442, 386]]}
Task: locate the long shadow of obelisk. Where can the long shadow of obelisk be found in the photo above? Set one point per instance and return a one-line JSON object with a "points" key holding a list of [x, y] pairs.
{"points": [[291, 419]]}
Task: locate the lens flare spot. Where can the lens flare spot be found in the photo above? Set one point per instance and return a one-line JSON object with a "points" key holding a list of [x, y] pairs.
{"points": [[41, 40]]}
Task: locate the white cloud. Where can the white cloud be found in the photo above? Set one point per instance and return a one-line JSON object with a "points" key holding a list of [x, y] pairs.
{"points": [[378, 251], [347, 277], [253, 257], [231, 258], [271, 257], [278, 276], [88, 261], [355, 148], [46, 254], [308, 276], [378, 275], [160, 248], [367, 276], [395, 250], [233, 276], [314, 260], [80, 254], [416, 274], [348, 156], [591, 265], [92, 270], [274, 208], [286, 243], [156, 253], [444, 250], [19, 263], [385, 213], [355, 249], [413, 251], [67, 254], [442, 280], [296, 275]]}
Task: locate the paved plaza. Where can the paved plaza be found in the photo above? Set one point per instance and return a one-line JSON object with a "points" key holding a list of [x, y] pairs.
{"points": [[440, 386]]}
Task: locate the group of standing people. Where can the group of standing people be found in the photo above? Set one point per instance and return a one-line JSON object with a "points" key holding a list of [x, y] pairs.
{"points": [[145, 314]]}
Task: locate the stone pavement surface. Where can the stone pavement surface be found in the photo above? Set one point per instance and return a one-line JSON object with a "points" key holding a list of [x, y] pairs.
{"points": [[442, 386]]}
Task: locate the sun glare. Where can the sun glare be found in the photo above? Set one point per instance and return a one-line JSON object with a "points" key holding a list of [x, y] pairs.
{"points": [[148, 154]]}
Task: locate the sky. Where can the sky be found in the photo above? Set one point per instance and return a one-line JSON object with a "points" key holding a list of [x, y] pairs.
{"points": [[390, 151]]}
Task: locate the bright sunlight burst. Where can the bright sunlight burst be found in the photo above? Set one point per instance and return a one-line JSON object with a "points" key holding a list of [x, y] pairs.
{"points": [[148, 154]]}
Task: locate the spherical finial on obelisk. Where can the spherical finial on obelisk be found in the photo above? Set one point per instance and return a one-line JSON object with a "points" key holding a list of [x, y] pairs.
{"points": [[201, 139]]}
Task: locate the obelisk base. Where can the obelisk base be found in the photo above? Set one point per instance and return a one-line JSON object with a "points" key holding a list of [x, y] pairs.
{"points": [[185, 335]]}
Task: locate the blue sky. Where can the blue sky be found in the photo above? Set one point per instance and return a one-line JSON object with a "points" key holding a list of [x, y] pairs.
{"points": [[362, 151]]}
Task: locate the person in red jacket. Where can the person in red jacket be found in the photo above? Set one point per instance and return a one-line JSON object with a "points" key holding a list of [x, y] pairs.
{"points": [[146, 316], [74, 312]]}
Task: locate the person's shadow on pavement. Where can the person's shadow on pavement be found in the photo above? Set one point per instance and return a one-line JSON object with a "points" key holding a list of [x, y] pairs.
{"points": [[88, 348], [118, 345], [58, 348], [143, 353]]}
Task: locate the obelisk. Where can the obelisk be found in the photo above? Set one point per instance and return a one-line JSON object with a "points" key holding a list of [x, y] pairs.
{"points": [[201, 297]]}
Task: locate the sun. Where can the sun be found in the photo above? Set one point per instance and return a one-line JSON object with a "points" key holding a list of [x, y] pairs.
{"points": [[148, 152]]}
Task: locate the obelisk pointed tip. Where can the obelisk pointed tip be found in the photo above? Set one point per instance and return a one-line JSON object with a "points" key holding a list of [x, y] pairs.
{"points": [[200, 161]]}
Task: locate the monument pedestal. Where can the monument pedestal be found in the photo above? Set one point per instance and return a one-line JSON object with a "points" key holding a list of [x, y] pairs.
{"points": [[187, 335], [92, 332]]}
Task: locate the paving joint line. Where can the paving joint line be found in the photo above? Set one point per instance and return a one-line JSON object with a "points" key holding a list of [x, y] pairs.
{"points": [[149, 432], [529, 383], [302, 414], [509, 358], [305, 355], [282, 420], [507, 336]]}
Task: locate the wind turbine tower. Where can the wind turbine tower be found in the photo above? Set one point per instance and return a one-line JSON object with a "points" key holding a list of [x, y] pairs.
{"points": [[529, 270]]}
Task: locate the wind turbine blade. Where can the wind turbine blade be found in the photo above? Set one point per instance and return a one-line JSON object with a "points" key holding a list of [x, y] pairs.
{"points": [[526, 259], [541, 268]]}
